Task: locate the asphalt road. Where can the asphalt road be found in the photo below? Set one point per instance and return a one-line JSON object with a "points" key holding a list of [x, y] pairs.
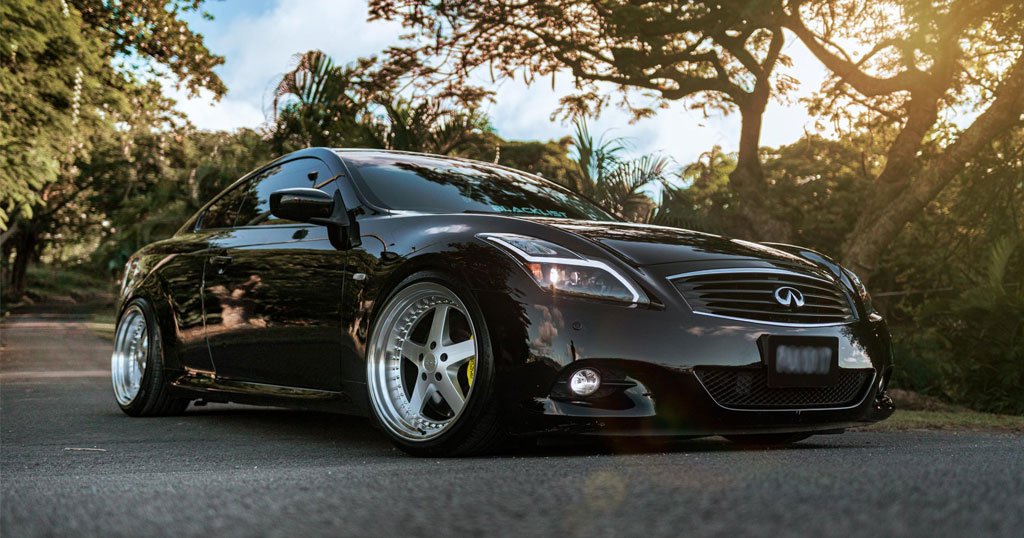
{"points": [[72, 465]]}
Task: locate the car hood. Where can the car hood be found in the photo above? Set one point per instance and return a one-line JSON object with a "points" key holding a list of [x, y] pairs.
{"points": [[645, 244]]}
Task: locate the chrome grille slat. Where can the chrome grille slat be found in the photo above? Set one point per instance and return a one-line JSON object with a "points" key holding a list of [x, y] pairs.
{"points": [[740, 300], [766, 284], [748, 294], [768, 292]]}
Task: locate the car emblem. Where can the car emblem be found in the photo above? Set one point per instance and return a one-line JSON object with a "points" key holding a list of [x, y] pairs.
{"points": [[787, 296]]}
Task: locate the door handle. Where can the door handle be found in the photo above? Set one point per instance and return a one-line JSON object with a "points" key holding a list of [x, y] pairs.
{"points": [[221, 260]]}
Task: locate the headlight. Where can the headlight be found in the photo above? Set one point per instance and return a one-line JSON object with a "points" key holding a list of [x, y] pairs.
{"points": [[861, 290], [559, 269]]}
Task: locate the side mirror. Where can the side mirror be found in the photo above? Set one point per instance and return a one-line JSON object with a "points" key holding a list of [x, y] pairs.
{"points": [[317, 207], [301, 205]]}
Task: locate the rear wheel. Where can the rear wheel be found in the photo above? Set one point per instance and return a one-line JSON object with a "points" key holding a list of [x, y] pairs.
{"points": [[768, 439], [430, 373], [136, 366]]}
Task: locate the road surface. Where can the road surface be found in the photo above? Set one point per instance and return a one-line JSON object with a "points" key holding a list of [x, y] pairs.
{"points": [[71, 464]]}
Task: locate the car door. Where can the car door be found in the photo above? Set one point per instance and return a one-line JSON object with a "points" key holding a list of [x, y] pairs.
{"points": [[183, 274], [272, 290]]}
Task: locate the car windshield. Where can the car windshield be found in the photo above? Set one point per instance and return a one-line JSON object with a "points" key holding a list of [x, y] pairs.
{"points": [[437, 185]]}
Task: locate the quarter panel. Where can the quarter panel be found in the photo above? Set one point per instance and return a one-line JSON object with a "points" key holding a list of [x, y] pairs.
{"points": [[169, 274]]}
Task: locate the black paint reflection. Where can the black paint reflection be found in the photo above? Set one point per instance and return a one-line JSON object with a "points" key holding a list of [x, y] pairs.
{"points": [[272, 313]]}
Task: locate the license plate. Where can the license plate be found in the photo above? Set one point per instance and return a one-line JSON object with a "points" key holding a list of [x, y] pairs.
{"points": [[802, 361]]}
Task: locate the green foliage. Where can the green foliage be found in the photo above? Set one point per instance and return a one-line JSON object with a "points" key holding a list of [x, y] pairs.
{"points": [[54, 281], [66, 84], [701, 199], [48, 66], [173, 176], [816, 185], [549, 160], [972, 351], [427, 125], [317, 103], [613, 182]]}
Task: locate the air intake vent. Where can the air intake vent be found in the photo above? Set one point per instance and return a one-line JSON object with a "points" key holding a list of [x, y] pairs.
{"points": [[747, 388], [765, 295]]}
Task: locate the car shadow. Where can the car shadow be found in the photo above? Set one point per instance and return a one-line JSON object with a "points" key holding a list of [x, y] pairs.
{"points": [[352, 432]]}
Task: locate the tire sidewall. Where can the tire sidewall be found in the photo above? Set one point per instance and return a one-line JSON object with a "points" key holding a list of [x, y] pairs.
{"points": [[484, 388], [152, 376]]}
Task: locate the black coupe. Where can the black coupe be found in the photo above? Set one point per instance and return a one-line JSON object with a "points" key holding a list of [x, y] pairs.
{"points": [[461, 303]]}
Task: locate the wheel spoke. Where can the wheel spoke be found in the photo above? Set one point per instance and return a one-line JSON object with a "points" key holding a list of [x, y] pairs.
{"points": [[420, 394], [450, 390], [412, 351], [460, 353], [438, 326]]}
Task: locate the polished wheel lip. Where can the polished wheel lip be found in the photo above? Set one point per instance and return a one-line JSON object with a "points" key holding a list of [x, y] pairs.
{"points": [[436, 377], [131, 355]]}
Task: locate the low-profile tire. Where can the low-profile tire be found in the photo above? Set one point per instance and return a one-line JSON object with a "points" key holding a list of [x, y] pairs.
{"points": [[137, 366], [768, 439], [431, 376]]}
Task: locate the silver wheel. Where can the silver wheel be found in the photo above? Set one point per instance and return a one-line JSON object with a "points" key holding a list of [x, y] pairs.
{"points": [[422, 361], [131, 353]]}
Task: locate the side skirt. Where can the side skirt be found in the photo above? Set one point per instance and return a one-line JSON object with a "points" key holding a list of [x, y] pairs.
{"points": [[215, 389]]}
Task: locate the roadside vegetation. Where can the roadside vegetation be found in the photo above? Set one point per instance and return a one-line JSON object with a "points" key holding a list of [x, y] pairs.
{"points": [[920, 412], [914, 176]]}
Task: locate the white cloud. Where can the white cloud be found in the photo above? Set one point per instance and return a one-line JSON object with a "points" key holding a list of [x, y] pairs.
{"points": [[259, 47], [226, 115]]}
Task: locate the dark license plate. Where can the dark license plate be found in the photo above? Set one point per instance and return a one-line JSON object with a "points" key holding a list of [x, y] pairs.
{"points": [[802, 361]]}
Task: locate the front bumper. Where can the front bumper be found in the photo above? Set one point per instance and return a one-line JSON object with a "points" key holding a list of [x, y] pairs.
{"points": [[676, 403], [538, 337]]}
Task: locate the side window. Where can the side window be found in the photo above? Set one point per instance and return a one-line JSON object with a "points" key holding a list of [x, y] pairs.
{"points": [[222, 213], [255, 207]]}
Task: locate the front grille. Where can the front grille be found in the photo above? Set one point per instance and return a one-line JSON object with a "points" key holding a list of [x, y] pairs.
{"points": [[747, 388], [749, 294]]}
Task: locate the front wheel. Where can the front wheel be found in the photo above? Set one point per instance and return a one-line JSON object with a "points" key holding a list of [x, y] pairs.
{"points": [[430, 372], [136, 366]]}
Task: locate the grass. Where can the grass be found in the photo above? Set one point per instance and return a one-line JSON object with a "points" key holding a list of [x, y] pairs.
{"points": [[51, 281], [102, 324], [959, 420]]}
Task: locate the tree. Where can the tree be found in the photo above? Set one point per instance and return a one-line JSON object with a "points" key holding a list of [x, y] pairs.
{"points": [[427, 125], [609, 180], [318, 103], [898, 71], [69, 84], [172, 175], [700, 197], [719, 55], [549, 160]]}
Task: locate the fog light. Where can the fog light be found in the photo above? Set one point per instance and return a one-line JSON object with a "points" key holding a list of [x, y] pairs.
{"points": [[585, 382]]}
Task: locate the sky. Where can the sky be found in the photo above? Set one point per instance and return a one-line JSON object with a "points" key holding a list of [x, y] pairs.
{"points": [[258, 39]]}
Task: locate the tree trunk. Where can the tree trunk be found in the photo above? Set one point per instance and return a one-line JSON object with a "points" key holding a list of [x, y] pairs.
{"points": [[9, 232], [25, 251], [748, 179], [877, 229]]}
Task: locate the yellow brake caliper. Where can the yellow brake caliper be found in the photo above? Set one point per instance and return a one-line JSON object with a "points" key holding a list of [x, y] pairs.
{"points": [[470, 367]]}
